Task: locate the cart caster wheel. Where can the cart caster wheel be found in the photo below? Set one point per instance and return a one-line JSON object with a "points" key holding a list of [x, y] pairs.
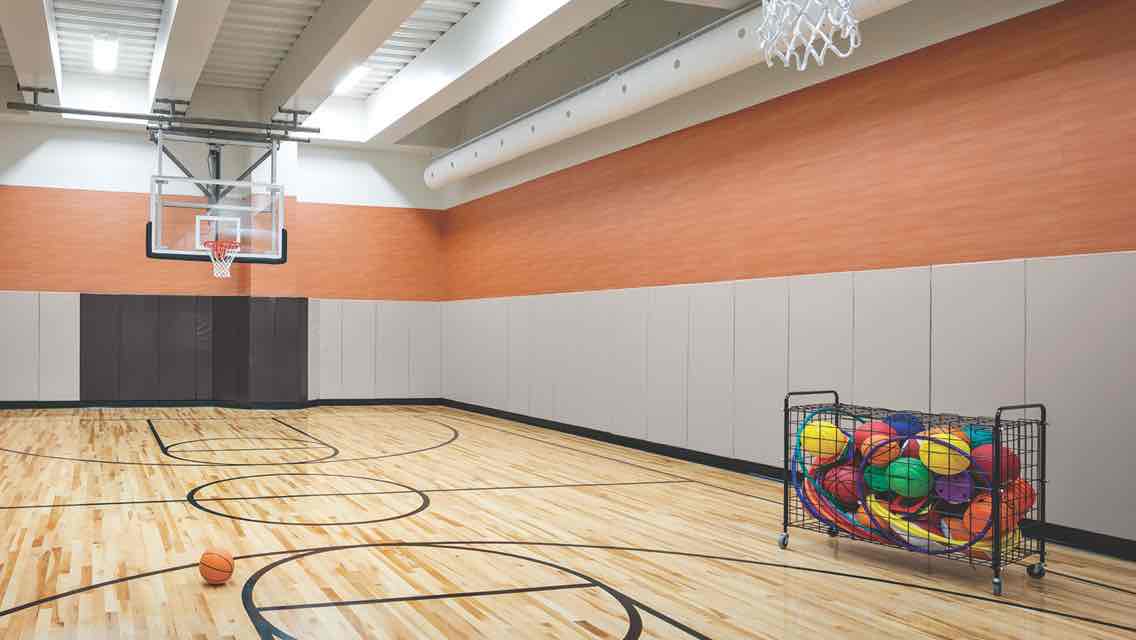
{"points": [[997, 586], [1036, 570], [783, 540], [832, 532]]}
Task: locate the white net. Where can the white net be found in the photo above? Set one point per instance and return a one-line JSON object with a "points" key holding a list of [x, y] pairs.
{"points": [[796, 31], [222, 253]]}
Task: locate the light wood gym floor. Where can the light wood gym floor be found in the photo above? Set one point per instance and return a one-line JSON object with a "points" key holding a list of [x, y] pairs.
{"points": [[428, 522]]}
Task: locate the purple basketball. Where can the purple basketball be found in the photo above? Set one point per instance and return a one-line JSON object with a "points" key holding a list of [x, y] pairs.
{"points": [[955, 489]]}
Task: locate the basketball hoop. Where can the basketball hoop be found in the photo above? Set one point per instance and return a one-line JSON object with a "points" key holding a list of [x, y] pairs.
{"points": [[797, 30], [222, 253]]}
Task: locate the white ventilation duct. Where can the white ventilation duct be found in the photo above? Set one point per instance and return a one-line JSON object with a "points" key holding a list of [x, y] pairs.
{"points": [[708, 55]]}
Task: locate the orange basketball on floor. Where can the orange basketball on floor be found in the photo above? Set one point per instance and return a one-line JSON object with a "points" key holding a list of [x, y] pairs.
{"points": [[216, 567]]}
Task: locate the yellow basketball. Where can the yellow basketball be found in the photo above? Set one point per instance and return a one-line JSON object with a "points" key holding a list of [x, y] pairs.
{"points": [[942, 459], [822, 438]]}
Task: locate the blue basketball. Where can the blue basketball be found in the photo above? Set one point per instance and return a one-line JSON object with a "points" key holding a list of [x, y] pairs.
{"points": [[905, 424], [978, 435]]}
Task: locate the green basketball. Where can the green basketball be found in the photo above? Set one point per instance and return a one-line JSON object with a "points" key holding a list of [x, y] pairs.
{"points": [[909, 478], [876, 478]]}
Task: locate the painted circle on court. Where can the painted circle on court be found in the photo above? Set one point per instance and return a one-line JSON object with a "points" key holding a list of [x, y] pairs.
{"points": [[264, 449], [308, 499], [452, 568]]}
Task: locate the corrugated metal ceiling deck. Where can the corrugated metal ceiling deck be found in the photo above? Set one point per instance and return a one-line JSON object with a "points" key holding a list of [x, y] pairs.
{"points": [[134, 22], [5, 57], [255, 37], [423, 28]]}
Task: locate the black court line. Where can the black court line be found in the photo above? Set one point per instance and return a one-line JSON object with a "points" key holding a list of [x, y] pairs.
{"points": [[417, 413], [433, 596], [114, 503], [599, 455], [450, 544], [250, 449], [166, 448], [671, 621], [454, 434], [267, 630], [1088, 581]]}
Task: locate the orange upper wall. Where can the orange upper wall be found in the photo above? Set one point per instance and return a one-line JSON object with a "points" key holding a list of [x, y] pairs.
{"points": [[1017, 140], [94, 242], [340, 251]]}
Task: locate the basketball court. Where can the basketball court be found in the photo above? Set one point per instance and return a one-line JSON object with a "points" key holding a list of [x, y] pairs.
{"points": [[566, 319]]}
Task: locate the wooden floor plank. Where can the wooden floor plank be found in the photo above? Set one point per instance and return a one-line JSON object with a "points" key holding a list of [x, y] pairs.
{"points": [[464, 526]]}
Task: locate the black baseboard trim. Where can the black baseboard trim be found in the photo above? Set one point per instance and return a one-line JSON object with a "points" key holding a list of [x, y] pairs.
{"points": [[1074, 538], [87, 404], [689, 455], [1052, 533], [379, 402], [1103, 544]]}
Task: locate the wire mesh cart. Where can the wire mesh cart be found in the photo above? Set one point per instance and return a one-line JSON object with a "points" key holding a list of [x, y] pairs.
{"points": [[957, 487]]}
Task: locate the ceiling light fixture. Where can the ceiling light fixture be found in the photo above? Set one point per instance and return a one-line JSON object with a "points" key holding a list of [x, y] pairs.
{"points": [[352, 79], [104, 53]]}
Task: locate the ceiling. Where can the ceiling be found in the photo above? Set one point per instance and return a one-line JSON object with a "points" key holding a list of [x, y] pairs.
{"points": [[255, 37], [5, 57], [428, 63], [135, 23], [422, 29]]}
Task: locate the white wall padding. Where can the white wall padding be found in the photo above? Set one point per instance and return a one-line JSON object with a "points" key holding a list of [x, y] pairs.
{"points": [[392, 349], [761, 367], [710, 380], [330, 349], [313, 349], [358, 359], [1081, 362], [713, 55], [425, 349], [978, 336], [58, 346], [19, 345], [668, 356], [820, 333], [625, 363], [893, 338]]}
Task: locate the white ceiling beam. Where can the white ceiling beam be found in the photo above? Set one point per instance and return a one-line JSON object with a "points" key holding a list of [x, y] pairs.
{"points": [[185, 39], [341, 36], [729, 5], [29, 30], [495, 38]]}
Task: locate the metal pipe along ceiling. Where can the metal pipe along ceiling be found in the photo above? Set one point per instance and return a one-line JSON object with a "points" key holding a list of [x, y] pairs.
{"points": [[718, 51]]}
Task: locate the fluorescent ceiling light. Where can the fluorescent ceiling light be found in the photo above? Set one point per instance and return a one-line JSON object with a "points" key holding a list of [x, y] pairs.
{"points": [[104, 53], [352, 79]]}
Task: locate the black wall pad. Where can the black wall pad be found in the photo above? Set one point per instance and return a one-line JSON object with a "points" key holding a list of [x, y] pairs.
{"points": [[99, 333], [148, 350], [177, 348], [230, 349], [278, 350], [203, 348], [138, 354]]}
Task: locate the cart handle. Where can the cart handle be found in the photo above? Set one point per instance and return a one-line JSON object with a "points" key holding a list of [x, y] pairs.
{"points": [[835, 395], [1015, 407]]}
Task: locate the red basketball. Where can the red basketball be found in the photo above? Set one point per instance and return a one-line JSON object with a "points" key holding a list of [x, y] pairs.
{"points": [[983, 456], [864, 430], [841, 482]]}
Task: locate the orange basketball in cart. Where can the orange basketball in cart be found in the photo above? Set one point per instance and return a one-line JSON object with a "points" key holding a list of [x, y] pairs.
{"points": [[215, 567]]}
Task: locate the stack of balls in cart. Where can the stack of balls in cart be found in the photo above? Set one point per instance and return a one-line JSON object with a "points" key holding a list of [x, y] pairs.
{"points": [[900, 482]]}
